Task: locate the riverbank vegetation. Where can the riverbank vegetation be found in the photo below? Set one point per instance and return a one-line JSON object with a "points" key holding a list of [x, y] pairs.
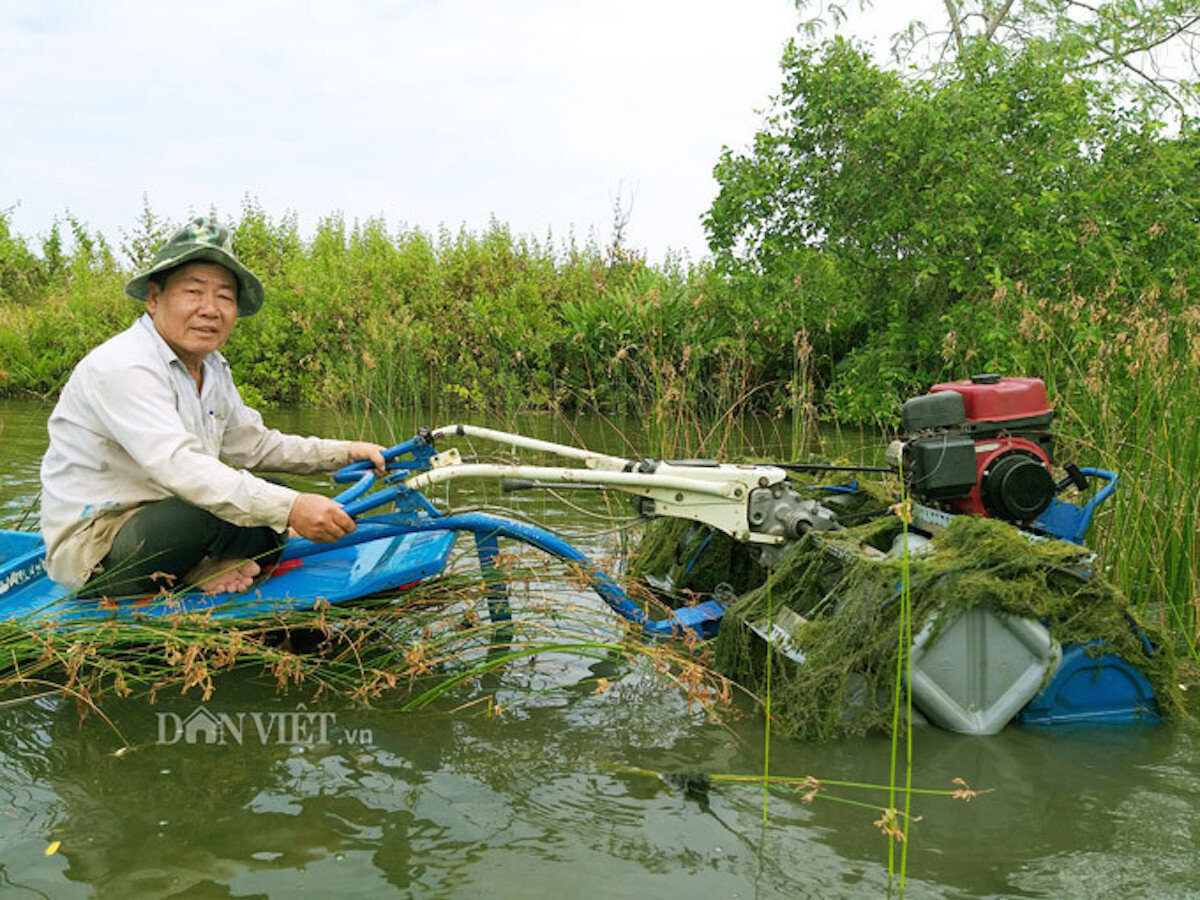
{"points": [[1030, 207]]}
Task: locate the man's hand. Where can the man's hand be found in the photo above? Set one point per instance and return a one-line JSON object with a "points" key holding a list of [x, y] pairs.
{"points": [[370, 452], [319, 518]]}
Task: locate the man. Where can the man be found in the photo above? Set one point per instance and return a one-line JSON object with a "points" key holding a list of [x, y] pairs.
{"points": [[145, 484]]}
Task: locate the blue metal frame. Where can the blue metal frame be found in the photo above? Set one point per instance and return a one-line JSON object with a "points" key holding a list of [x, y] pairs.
{"points": [[702, 618], [1070, 522], [414, 513], [362, 473]]}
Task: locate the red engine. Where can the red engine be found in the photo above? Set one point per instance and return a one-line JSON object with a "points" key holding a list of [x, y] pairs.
{"points": [[982, 447]]}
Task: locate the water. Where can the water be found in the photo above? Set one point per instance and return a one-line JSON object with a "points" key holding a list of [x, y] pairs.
{"points": [[541, 800]]}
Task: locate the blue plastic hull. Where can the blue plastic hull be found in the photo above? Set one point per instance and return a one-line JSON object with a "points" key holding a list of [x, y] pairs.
{"points": [[1092, 690], [336, 576]]}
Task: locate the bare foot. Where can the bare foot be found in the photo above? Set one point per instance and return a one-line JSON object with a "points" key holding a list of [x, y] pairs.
{"points": [[223, 576]]}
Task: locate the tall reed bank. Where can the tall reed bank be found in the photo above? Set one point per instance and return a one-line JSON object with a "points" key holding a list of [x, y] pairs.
{"points": [[400, 319]]}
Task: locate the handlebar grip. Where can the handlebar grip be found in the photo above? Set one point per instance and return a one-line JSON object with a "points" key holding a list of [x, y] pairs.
{"points": [[365, 480], [1076, 475], [352, 471], [421, 446]]}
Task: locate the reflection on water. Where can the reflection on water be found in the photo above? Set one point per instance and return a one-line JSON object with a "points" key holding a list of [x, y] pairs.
{"points": [[543, 800], [436, 805], [23, 437]]}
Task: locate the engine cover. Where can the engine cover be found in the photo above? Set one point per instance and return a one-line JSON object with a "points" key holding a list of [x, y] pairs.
{"points": [[992, 400]]}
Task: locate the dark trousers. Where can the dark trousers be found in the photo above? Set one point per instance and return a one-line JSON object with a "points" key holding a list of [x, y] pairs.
{"points": [[165, 540]]}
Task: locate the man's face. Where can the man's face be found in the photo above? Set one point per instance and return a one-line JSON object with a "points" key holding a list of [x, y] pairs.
{"points": [[195, 309]]}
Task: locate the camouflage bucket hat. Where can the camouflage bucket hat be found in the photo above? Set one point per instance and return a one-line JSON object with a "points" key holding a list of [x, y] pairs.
{"points": [[202, 240]]}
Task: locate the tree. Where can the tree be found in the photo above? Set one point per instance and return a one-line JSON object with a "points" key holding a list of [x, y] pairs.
{"points": [[1003, 171], [1144, 48]]}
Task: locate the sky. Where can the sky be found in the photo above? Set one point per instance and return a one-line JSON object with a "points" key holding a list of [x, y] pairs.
{"points": [[540, 114]]}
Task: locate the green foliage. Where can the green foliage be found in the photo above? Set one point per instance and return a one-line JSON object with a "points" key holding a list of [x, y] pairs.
{"points": [[21, 274], [487, 321], [56, 307], [356, 311], [151, 233]]}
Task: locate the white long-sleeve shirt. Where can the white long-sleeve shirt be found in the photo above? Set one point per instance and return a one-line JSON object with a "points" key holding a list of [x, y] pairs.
{"points": [[130, 428]]}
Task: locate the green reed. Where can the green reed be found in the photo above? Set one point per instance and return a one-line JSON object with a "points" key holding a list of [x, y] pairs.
{"points": [[1127, 378]]}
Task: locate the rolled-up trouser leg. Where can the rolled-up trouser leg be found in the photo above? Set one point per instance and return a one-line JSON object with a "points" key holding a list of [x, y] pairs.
{"points": [[165, 540]]}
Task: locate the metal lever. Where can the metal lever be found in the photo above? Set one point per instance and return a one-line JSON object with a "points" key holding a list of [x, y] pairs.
{"points": [[1075, 477]]}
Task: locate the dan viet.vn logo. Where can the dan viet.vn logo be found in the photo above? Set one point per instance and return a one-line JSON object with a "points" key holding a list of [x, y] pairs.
{"points": [[297, 728]]}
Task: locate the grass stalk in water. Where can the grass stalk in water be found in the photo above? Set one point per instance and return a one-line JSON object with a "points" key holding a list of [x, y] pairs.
{"points": [[893, 823], [766, 776], [902, 702], [427, 645]]}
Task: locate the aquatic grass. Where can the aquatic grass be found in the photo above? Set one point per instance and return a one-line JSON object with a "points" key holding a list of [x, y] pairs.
{"points": [[902, 708], [409, 651], [664, 346], [893, 823], [801, 389], [766, 772]]}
